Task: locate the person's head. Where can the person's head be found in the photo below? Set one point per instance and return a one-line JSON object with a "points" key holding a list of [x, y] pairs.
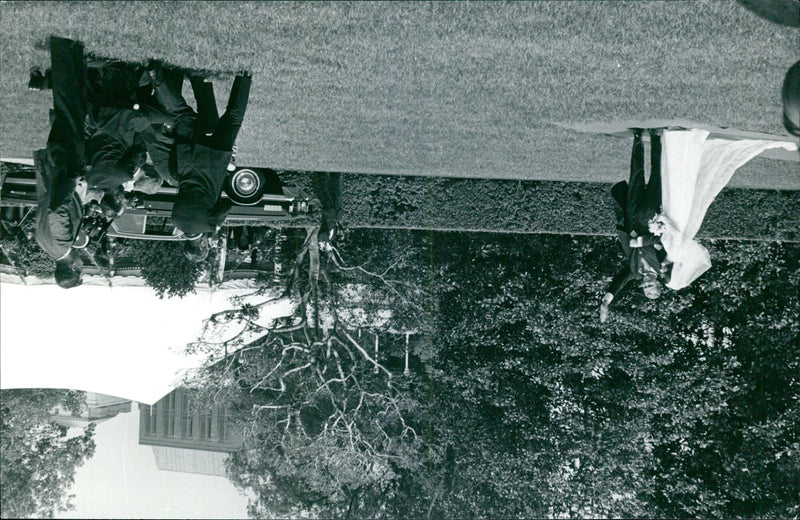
{"points": [[86, 193], [68, 270], [650, 285], [195, 249]]}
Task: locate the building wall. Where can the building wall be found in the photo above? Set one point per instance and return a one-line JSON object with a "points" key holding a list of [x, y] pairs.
{"points": [[99, 407], [172, 422]]}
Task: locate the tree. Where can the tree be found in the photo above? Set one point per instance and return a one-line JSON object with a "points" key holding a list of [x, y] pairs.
{"points": [[664, 411], [36, 460], [525, 405], [329, 429], [19, 246]]}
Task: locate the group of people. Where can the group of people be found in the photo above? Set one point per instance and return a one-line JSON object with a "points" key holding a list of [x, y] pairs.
{"points": [[117, 127], [657, 219]]}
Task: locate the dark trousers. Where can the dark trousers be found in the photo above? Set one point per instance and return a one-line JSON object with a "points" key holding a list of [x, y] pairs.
{"points": [[227, 127], [644, 199], [205, 126], [207, 114], [66, 138], [169, 99]]}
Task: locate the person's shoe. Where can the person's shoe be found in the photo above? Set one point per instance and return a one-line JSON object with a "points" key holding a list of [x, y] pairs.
{"points": [[232, 163], [655, 132], [244, 74], [155, 73], [198, 76], [38, 80]]}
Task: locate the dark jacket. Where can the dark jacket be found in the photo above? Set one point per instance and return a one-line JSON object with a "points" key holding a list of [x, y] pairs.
{"points": [[791, 100], [116, 146], [630, 220], [59, 214], [198, 207]]}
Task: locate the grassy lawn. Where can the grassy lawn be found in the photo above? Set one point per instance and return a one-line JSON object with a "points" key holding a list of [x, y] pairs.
{"points": [[443, 89]]}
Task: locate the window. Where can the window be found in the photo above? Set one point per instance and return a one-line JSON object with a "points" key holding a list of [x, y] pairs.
{"points": [[221, 424], [205, 426], [168, 415], [152, 412], [187, 418]]}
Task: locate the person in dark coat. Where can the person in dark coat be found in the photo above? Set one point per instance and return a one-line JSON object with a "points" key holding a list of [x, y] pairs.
{"points": [[117, 146], [118, 134], [202, 158], [169, 113], [791, 100], [636, 203], [59, 166]]}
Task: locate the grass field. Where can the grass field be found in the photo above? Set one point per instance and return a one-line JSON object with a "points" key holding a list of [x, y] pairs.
{"points": [[441, 89]]}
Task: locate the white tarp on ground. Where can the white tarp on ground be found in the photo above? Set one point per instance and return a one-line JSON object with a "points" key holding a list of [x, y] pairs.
{"points": [[122, 341]]}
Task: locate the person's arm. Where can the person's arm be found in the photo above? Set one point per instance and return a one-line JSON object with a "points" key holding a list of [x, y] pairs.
{"points": [[617, 284], [666, 271]]}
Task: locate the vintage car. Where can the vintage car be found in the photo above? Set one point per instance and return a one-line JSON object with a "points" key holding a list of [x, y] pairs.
{"points": [[259, 197]]}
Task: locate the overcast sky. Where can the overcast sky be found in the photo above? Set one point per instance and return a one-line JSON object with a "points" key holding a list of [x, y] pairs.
{"points": [[121, 341]]}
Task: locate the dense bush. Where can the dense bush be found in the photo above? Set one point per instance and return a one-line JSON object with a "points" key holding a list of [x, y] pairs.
{"points": [[38, 461], [164, 267], [540, 206], [681, 407], [20, 247]]}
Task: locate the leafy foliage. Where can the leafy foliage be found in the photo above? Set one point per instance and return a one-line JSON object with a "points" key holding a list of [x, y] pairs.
{"points": [[20, 247], [526, 206], [164, 267], [666, 410], [523, 404], [37, 462]]}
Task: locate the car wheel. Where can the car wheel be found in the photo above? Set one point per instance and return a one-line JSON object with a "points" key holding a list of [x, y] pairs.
{"points": [[245, 186]]}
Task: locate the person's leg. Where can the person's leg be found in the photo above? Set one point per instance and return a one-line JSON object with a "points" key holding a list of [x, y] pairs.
{"points": [[207, 114], [231, 121], [69, 95], [636, 184], [652, 198], [151, 105], [112, 83], [167, 90]]}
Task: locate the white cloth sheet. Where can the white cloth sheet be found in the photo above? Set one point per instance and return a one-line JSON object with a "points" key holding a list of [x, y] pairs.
{"points": [[694, 169]]}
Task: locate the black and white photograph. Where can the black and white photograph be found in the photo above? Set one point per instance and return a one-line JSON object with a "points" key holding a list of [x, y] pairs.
{"points": [[400, 259]]}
